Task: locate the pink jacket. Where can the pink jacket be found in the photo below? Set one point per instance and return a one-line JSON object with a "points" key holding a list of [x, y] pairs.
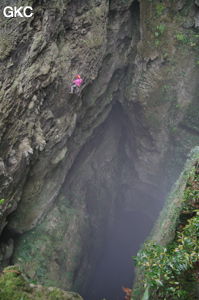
{"points": [[78, 82]]}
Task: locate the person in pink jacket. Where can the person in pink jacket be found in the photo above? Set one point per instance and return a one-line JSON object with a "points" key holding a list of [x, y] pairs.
{"points": [[76, 83]]}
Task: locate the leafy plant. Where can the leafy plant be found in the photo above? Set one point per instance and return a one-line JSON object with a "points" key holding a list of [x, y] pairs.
{"points": [[164, 267], [170, 272], [181, 37], [157, 42], [161, 28], [2, 201], [159, 9]]}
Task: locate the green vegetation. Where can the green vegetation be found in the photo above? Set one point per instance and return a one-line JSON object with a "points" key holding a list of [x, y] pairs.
{"points": [[160, 29], [171, 272], [168, 270], [181, 37], [159, 9], [13, 286], [40, 248], [189, 38], [2, 201]]}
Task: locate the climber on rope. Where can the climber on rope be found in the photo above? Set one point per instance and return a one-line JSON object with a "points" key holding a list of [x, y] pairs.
{"points": [[76, 84]]}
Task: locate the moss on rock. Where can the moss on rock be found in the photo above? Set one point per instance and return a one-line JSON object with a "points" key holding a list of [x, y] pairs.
{"points": [[13, 286]]}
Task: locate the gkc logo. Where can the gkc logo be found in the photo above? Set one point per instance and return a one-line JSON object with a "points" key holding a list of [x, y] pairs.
{"points": [[14, 12]]}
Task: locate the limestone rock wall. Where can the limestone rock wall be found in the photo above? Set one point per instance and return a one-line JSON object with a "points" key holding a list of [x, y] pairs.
{"points": [[139, 58]]}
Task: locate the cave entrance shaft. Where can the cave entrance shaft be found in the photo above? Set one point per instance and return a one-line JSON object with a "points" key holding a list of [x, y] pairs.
{"points": [[120, 208]]}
